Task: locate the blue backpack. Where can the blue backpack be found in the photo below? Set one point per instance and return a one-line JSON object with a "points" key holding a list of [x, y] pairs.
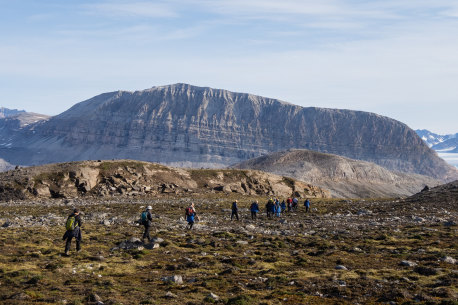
{"points": [[144, 217]]}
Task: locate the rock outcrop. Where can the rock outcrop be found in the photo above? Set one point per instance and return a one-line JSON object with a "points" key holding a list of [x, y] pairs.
{"points": [[134, 178], [447, 193], [190, 126], [344, 177]]}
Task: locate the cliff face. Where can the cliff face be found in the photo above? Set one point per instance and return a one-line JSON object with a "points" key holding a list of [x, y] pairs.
{"points": [[344, 177], [202, 127]]}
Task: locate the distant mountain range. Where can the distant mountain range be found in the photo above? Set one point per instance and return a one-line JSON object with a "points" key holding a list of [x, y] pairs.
{"points": [[5, 112], [438, 142], [184, 125]]}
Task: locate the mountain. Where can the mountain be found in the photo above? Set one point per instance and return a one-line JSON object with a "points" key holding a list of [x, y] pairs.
{"points": [[12, 127], [344, 177], [449, 146], [136, 178], [5, 166], [432, 138], [185, 125], [5, 112]]}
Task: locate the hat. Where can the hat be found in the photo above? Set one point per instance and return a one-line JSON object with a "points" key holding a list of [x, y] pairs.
{"points": [[149, 207], [76, 210]]}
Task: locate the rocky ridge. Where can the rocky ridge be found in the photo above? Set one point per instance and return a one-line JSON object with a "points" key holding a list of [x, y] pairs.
{"points": [[5, 112], [344, 177], [189, 126], [135, 178]]}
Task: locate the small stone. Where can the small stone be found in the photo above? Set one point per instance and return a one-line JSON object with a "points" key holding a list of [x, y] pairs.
{"points": [[98, 258], [156, 246], [242, 242], [341, 267], [213, 296], [448, 259], [178, 279], [157, 240], [170, 295], [408, 264], [450, 223], [341, 283], [135, 240]]}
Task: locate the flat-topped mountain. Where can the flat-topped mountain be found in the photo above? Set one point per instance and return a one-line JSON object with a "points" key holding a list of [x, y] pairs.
{"points": [[184, 125], [5, 112], [344, 177]]}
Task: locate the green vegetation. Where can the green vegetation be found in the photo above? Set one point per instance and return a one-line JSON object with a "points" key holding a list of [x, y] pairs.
{"points": [[238, 265]]}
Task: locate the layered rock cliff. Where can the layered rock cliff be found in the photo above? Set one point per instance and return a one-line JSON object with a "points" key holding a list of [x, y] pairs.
{"points": [[344, 177], [202, 127]]}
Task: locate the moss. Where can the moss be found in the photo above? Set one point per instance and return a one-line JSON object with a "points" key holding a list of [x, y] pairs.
{"points": [[240, 300]]}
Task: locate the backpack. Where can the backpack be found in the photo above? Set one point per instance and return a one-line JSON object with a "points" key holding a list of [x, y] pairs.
{"points": [[144, 217], [71, 224], [189, 211]]}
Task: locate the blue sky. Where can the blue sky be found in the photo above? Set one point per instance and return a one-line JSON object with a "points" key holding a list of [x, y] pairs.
{"points": [[396, 58]]}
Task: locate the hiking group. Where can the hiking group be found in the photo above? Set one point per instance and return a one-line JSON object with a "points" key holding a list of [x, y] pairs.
{"points": [[273, 208]]}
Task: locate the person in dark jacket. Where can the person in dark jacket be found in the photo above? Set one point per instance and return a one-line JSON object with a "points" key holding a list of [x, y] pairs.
{"points": [[147, 219], [75, 218], [270, 208], [235, 210], [254, 209]]}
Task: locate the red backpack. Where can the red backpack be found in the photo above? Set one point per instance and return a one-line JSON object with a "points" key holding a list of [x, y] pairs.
{"points": [[189, 211]]}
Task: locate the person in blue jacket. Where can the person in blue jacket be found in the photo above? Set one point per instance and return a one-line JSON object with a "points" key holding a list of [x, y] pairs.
{"points": [[190, 214], [277, 208], [307, 205], [254, 209]]}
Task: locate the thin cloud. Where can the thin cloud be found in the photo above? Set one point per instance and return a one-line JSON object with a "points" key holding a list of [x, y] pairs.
{"points": [[133, 9]]}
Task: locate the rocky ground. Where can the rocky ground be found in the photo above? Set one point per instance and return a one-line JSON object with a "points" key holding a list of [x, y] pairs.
{"points": [[343, 252]]}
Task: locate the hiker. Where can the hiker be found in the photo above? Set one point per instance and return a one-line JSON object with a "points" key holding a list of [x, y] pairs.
{"points": [[146, 219], [190, 215], [289, 202], [235, 210], [295, 202], [277, 208], [269, 208], [73, 229], [283, 206], [254, 208], [307, 205]]}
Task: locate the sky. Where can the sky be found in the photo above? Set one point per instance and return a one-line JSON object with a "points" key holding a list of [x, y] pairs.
{"points": [[397, 58]]}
